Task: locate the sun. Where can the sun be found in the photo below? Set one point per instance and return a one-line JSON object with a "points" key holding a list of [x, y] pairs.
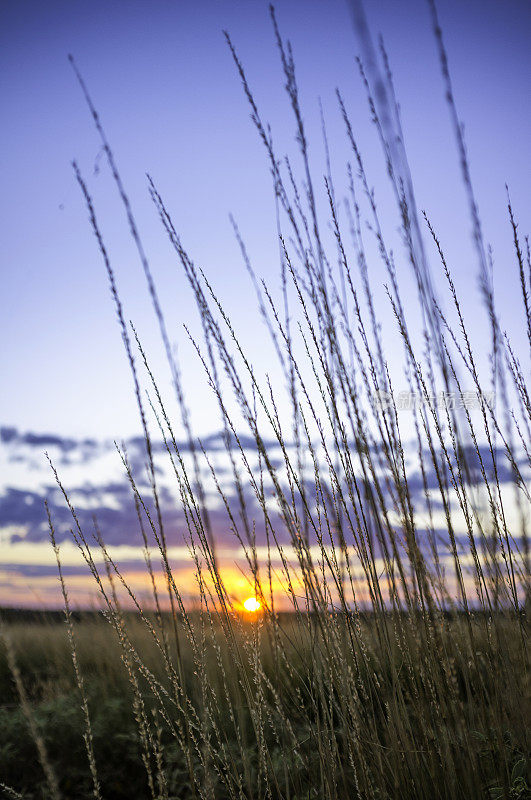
{"points": [[251, 604]]}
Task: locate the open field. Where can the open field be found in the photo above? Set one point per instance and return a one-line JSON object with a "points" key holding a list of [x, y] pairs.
{"points": [[391, 715]]}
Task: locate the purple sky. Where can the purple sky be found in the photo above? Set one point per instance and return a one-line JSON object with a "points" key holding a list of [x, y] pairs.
{"points": [[167, 91], [172, 105]]}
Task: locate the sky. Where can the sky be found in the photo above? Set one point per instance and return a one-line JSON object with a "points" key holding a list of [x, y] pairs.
{"points": [[167, 91]]}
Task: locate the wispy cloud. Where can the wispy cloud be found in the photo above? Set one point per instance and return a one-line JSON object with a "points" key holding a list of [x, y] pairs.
{"points": [[98, 488]]}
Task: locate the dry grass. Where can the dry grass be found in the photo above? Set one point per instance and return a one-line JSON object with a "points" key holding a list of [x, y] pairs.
{"points": [[307, 713]]}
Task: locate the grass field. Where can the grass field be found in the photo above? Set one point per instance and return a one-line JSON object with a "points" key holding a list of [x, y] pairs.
{"points": [[293, 721]]}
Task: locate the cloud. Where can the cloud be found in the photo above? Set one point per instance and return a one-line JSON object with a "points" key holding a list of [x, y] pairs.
{"points": [[99, 489], [108, 497], [11, 436], [113, 508]]}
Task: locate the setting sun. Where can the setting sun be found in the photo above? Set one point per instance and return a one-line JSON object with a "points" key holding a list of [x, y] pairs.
{"points": [[251, 604]]}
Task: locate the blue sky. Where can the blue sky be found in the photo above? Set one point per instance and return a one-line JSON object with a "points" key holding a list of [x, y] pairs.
{"points": [[171, 102], [172, 105]]}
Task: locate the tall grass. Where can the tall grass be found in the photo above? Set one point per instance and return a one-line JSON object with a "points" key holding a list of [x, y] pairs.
{"points": [[402, 669]]}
